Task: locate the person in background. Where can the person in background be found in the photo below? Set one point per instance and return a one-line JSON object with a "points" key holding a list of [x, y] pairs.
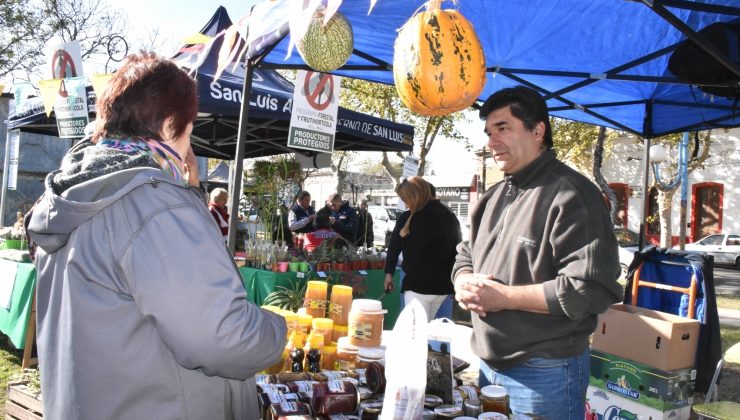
{"points": [[217, 206], [302, 215], [365, 236], [322, 232], [343, 218], [141, 312], [427, 234], [540, 264]]}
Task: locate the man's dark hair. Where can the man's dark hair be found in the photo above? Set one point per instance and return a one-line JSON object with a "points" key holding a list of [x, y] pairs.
{"points": [[303, 194], [433, 190], [526, 105], [322, 218]]}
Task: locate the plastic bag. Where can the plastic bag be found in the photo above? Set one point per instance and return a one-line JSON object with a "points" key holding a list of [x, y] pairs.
{"points": [[406, 366]]}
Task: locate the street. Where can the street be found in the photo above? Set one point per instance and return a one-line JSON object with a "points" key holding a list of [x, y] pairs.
{"points": [[726, 281]]}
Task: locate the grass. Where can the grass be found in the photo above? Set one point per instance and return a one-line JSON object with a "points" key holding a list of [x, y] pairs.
{"points": [[728, 302], [10, 364]]}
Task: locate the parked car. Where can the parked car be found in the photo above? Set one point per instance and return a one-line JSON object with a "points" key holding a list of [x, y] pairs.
{"points": [[384, 219], [725, 247], [629, 242]]}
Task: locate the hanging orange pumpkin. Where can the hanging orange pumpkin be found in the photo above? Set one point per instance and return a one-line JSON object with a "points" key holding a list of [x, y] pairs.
{"points": [[438, 62]]}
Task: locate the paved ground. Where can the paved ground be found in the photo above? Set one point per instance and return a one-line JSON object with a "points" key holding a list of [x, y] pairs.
{"points": [[727, 282]]}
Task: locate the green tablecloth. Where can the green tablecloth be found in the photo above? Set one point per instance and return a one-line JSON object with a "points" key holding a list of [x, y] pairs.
{"points": [[14, 320], [259, 284]]}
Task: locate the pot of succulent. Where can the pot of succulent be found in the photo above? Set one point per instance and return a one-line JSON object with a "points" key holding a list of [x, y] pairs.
{"points": [[13, 238], [290, 297]]}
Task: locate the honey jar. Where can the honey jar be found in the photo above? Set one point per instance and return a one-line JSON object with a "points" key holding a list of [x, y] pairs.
{"points": [[323, 326], [365, 355], [305, 321], [339, 331], [340, 304], [494, 398], [328, 355], [315, 300], [346, 357], [365, 323]]}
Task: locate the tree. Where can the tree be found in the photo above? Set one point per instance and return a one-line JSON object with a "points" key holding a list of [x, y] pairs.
{"points": [[697, 156], [28, 26], [20, 50], [383, 101]]}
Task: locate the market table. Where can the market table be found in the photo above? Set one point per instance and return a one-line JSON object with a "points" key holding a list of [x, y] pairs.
{"points": [[17, 290], [260, 283]]}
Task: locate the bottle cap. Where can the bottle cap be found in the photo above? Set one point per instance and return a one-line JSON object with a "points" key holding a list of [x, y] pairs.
{"points": [[323, 324], [344, 344], [371, 353], [304, 320], [339, 289], [493, 391], [368, 306], [317, 284]]}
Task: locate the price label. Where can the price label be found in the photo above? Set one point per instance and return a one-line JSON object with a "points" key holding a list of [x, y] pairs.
{"points": [[363, 272], [321, 274], [300, 274]]}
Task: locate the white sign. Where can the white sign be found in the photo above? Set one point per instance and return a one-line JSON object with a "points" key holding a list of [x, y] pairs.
{"points": [[64, 60], [313, 122], [13, 152], [410, 166], [71, 109]]}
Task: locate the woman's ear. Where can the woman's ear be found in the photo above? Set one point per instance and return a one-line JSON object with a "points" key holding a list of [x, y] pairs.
{"points": [[166, 131]]}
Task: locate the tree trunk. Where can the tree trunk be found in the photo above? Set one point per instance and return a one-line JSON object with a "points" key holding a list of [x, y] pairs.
{"points": [[390, 170], [598, 158], [665, 207]]}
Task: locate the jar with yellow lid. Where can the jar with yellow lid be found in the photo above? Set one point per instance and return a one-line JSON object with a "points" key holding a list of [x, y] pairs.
{"points": [[291, 318], [328, 356], [315, 299], [313, 350], [340, 304], [305, 321], [323, 326], [339, 331], [365, 323]]}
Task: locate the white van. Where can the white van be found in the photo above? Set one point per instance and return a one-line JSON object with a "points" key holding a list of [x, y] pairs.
{"points": [[384, 219]]}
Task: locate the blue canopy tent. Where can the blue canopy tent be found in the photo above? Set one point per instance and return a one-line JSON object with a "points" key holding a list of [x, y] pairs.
{"points": [[603, 62]]}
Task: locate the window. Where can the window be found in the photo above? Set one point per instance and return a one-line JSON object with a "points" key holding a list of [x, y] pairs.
{"points": [[713, 240], [459, 208]]}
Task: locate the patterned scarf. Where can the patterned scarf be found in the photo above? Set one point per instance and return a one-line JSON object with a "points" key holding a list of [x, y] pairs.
{"points": [[166, 157]]}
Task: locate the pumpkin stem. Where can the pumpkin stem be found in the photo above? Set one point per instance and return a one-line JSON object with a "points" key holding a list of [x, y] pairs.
{"points": [[434, 5]]}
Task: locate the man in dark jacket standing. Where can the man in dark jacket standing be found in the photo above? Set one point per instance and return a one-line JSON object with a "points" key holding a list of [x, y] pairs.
{"points": [[302, 215], [540, 264], [365, 236], [343, 218]]}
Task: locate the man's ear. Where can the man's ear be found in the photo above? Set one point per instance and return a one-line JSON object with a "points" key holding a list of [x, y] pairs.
{"points": [[539, 131]]}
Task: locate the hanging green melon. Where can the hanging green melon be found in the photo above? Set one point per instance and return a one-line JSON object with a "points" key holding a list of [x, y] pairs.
{"points": [[327, 47]]}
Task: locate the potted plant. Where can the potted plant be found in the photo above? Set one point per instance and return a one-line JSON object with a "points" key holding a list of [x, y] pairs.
{"points": [[290, 297], [13, 238]]}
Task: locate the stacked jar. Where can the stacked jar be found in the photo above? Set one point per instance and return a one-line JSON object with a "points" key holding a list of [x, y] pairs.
{"points": [[339, 306], [365, 323], [315, 300]]}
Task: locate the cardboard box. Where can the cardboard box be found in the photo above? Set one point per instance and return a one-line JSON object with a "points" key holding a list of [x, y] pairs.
{"points": [[660, 389], [664, 341], [601, 405]]}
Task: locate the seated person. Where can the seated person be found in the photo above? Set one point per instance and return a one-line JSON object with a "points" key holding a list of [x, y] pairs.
{"points": [[323, 231]]}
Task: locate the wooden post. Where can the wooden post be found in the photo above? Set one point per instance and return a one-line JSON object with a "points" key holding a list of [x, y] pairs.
{"points": [[29, 361]]}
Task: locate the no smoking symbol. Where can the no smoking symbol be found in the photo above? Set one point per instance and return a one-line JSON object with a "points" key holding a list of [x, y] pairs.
{"points": [[318, 89], [62, 65]]}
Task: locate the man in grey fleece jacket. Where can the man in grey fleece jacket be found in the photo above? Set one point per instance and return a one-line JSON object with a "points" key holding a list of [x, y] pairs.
{"points": [[540, 264]]}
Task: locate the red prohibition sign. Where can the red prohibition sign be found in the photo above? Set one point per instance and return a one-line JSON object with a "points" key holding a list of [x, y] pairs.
{"points": [[61, 63], [319, 89]]}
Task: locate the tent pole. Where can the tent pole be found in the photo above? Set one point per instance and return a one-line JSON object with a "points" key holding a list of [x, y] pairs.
{"points": [[645, 192], [236, 186]]}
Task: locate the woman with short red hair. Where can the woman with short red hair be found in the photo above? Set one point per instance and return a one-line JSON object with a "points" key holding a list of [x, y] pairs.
{"points": [[141, 311]]}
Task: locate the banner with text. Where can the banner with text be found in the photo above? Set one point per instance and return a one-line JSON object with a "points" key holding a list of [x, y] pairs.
{"points": [[313, 122], [71, 108]]}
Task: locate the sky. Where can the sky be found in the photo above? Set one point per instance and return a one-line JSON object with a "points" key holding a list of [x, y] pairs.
{"points": [[178, 19]]}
